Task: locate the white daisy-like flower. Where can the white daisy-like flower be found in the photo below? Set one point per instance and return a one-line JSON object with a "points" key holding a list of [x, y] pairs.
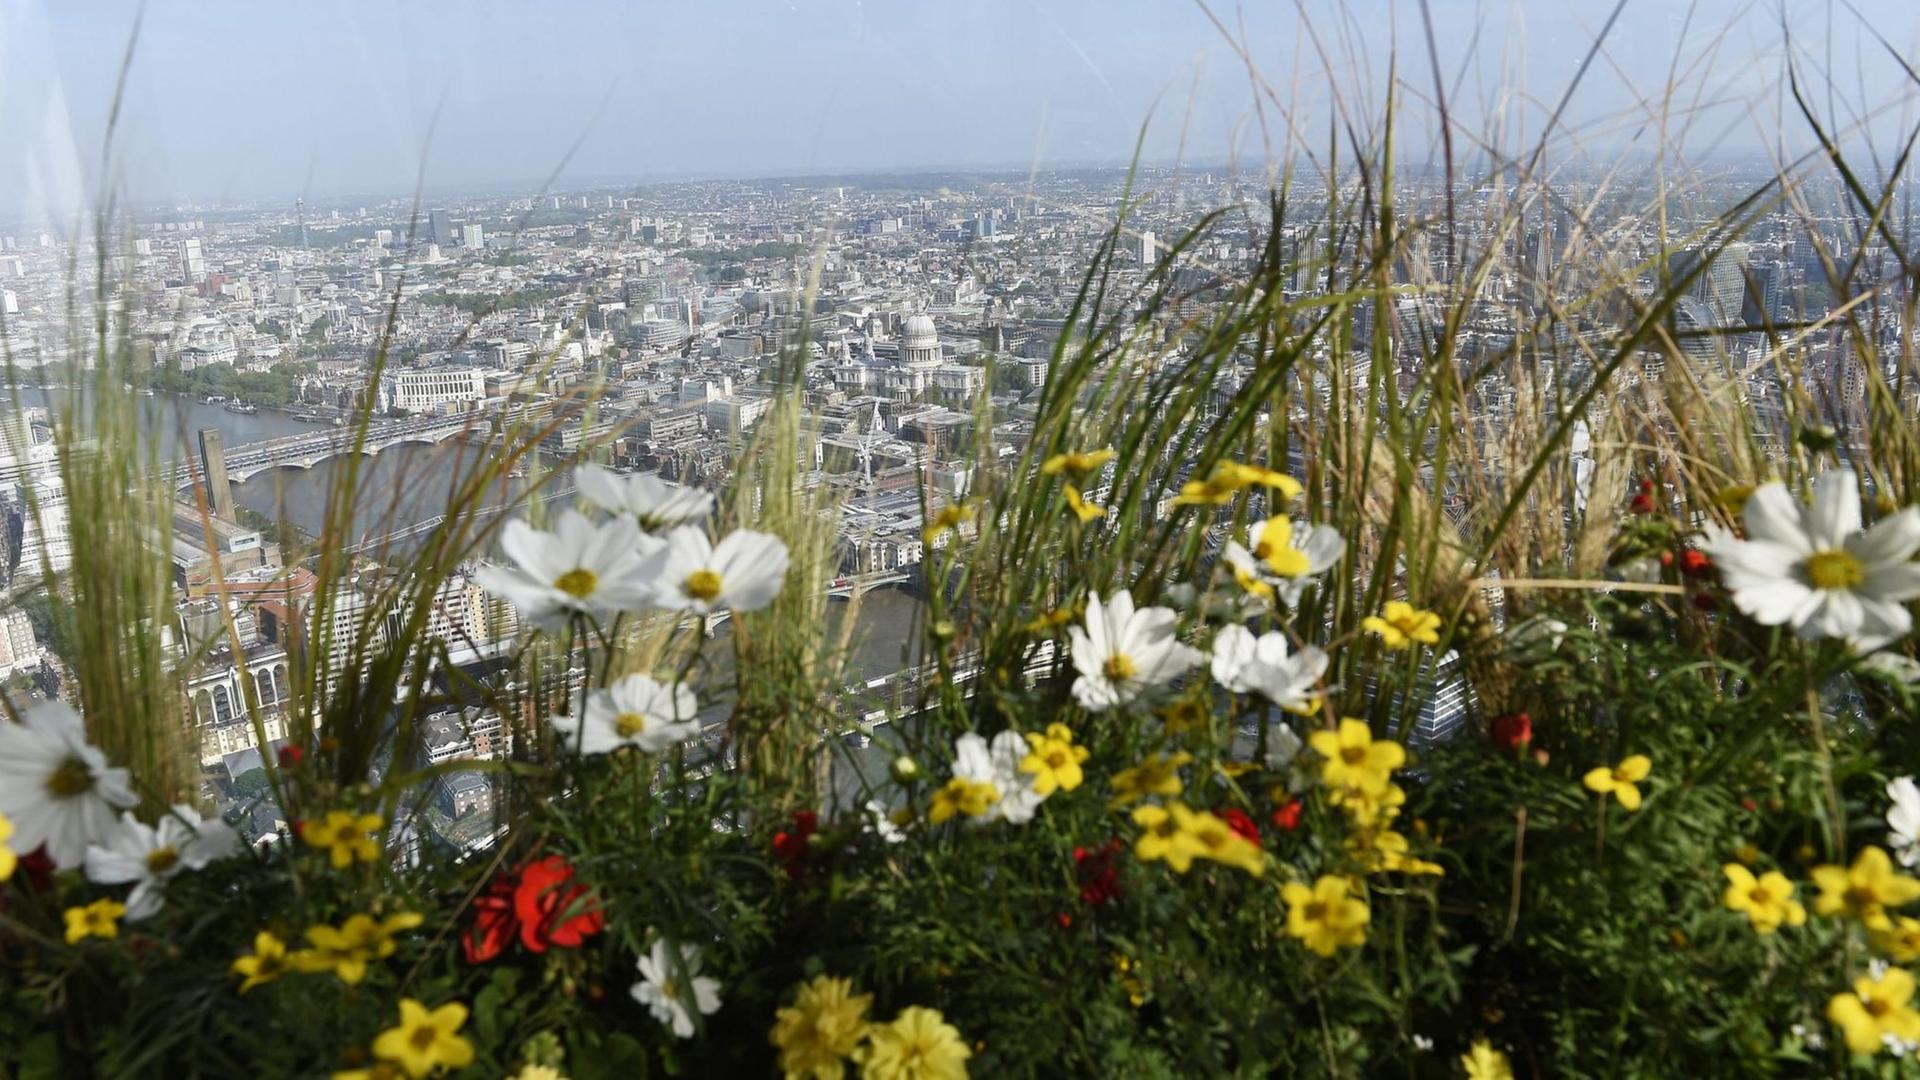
{"points": [[150, 855], [653, 503], [1263, 665], [55, 787], [578, 568], [1814, 568], [875, 818], [744, 571], [1892, 665], [1122, 653], [1903, 821], [998, 763], [635, 711], [672, 988], [1282, 557]]}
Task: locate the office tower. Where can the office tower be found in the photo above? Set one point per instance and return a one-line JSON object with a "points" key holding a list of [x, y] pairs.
{"points": [[439, 228], [193, 264], [471, 236], [1149, 249]]}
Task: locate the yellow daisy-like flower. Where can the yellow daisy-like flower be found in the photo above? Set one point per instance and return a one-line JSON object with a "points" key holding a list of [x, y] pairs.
{"points": [[426, 1041], [1076, 464], [1326, 917], [1157, 775], [961, 796], [1483, 1062], [1865, 890], [1054, 761], [1401, 624], [1368, 808], [347, 949], [1082, 509], [1354, 758], [346, 836], [268, 961], [1162, 839], [1276, 551], [918, 1045], [8, 860], [1229, 478], [1767, 901], [1211, 838], [820, 1029], [946, 519], [1048, 622], [1876, 1008], [1900, 940], [1384, 851], [99, 919], [1621, 781], [1183, 716]]}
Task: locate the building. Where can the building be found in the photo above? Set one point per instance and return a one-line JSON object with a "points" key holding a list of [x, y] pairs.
{"points": [[439, 227], [433, 389], [36, 523], [19, 649], [222, 715], [472, 237]]}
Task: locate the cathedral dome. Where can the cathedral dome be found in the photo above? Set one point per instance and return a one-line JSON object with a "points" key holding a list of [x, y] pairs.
{"points": [[918, 333]]}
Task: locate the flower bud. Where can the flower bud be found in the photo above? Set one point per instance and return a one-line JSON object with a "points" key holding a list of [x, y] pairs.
{"points": [[905, 770]]}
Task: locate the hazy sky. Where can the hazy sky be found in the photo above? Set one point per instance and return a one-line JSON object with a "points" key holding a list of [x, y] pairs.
{"points": [[232, 99]]}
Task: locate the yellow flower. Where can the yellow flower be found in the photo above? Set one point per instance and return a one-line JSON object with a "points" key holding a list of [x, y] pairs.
{"points": [[1326, 917], [1049, 621], [918, 1045], [1083, 509], [970, 798], [379, 1070], [1865, 890], [1766, 901], [1386, 851], [1183, 716], [822, 1026], [1368, 808], [1076, 464], [1276, 551], [1157, 775], [1055, 760], [1211, 838], [8, 860], [946, 519], [1354, 759], [1402, 624], [1876, 1008], [268, 962], [1229, 477], [1483, 1062], [1621, 781], [347, 949], [1162, 838], [537, 1072], [426, 1042], [346, 836], [1900, 940], [99, 919]]}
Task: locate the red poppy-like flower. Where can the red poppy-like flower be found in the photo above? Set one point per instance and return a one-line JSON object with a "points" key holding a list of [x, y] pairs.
{"points": [[1695, 563], [1098, 872], [1239, 822], [790, 846], [552, 908], [494, 923], [1641, 504], [291, 755], [1514, 731], [1287, 818]]}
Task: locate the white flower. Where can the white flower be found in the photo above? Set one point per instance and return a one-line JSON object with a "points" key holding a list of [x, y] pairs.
{"points": [[1892, 665], [1812, 567], [578, 568], [1281, 557], [672, 987], [1122, 653], [149, 855], [1422, 1043], [1903, 821], [652, 502], [635, 711], [744, 571], [55, 788], [998, 763], [1245, 664], [876, 819], [1283, 748], [1543, 630]]}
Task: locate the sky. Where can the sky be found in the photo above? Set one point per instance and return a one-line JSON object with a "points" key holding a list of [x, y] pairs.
{"points": [[228, 100]]}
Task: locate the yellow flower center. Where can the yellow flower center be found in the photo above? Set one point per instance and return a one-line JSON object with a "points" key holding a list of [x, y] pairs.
{"points": [[1876, 1007], [1861, 896], [629, 724], [1056, 757], [162, 859], [70, 779], [703, 585], [1353, 755], [1315, 911], [578, 583], [424, 1037], [1835, 570], [1119, 667]]}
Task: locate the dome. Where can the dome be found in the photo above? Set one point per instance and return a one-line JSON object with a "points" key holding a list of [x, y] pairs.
{"points": [[919, 333]]}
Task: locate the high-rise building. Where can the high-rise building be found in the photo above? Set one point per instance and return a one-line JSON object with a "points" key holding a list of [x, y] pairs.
{"points": [[193, 263], [1149, 249], [440, 227], [472, 237]]}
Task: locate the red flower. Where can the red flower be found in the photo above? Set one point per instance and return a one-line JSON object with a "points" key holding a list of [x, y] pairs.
{"points": [[1641, 504], [1749, 805], [291, 755], [1098, 873], [1287, 818], [1514, 731], [552, 909], [1065, 920], [494, 924], [1705, 601], [1695, 563], [791, 847], [1239, 822]]}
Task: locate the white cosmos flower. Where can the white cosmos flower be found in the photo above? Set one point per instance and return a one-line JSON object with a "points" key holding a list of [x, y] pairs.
{"points": [[1122, 653], [671, 986], [1282, 556], [635, 711], [652, 502], [1813, 567], [998, 763], [878, 820], [744, 571], [56, 788], [578, 568], [149, 855], [1263, 665], [1903, 821]]}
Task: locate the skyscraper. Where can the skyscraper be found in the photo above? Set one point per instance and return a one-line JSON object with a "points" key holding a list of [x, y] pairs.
{"points": [[440, 228]]}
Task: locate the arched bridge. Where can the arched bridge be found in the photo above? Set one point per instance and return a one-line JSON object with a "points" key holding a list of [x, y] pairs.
{"points": [[304, 451]]}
